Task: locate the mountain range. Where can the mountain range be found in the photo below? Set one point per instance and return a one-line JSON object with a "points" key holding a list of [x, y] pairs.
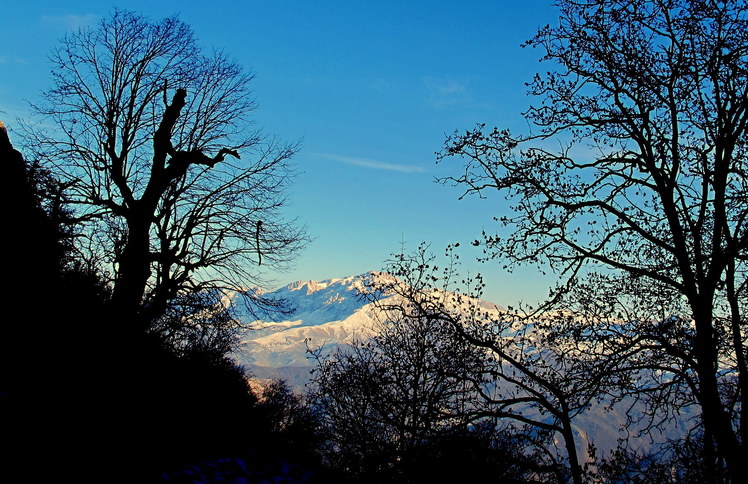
{"points": [[323, 314], [327, 314]]}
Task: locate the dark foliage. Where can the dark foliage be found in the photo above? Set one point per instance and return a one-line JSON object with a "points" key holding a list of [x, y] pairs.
{"points": [[684, 462], [115, 361], [51, 349], [81, 398]]}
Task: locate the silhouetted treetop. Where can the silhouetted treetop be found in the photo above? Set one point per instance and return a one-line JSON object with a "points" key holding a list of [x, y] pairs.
{"points": [[154, 140], [649, 101]]}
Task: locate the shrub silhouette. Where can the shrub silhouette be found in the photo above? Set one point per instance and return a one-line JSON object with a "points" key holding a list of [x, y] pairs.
{"points": [[79, 396], [48, 360]]}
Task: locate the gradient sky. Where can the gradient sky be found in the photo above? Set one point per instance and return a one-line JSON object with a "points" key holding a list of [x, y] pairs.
{"points": [[370, 88]]}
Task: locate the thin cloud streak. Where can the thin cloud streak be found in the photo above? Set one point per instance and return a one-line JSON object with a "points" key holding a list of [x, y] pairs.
{"points": [[444, 92], [71, 21], [17, 60], [369, 163]]}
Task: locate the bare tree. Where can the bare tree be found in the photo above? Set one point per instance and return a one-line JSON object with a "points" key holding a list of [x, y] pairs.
{"points": [[443, 361], [385, 397], [527, 367], [400, 404], [650, 100], [141, 129]]}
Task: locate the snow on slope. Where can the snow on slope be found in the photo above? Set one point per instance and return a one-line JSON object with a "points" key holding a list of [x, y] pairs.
{"points": [[325, 314], [330, 313]]}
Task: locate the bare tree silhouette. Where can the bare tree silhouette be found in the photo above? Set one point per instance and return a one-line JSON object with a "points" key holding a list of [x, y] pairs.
{"points": [[646, 203], [143, 130]]}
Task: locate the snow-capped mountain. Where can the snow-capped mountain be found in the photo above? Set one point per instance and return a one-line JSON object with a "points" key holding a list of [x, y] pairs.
{"points": [[324, 314], [329, 313]]}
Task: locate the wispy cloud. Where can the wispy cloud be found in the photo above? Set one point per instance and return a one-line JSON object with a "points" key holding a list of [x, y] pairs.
{"points": [[445, 91], [381, 84], [17, 60], [369, 163], [70, 21]]}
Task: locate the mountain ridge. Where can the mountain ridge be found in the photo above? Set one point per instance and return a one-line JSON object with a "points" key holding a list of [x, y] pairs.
{"points": [[329, 313], [324, 314]]}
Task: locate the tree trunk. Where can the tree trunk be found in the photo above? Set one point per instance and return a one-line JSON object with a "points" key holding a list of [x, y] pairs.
{"points": [[716, 419], [134, 262], [134, 269], [571, 448]]}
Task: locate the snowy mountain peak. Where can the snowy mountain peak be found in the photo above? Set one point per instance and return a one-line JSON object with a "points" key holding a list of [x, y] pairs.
{"points": [[350, 283], [309, 286], [323, 313]]}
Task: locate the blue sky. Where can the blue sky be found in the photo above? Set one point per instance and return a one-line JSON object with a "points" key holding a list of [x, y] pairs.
{"points": [[370, 88]]}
